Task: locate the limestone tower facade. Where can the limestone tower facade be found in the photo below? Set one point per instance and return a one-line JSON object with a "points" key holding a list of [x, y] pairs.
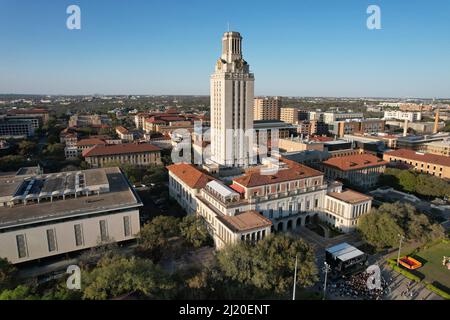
{"points": [[232, 91]]}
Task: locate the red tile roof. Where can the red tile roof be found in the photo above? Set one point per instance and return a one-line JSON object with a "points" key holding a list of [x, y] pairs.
{"points": [[296, 171], [122, 130], [90, 142], [423, 157], [350, 196], [245, 221], [124, 148], [189, 174], [27, 111], [354, 162]]}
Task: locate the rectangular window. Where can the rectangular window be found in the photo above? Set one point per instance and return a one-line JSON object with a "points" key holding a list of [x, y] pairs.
{"points": [[103, 231], [78, 235], [126, 226], [51, 240], [21, 245]]}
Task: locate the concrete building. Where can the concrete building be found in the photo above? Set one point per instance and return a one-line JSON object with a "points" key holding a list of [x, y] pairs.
{"points": [[332, 116], [143, 154], [53, 214], [417, 142], [232, 91], [418, 127], [441, 148], [312, 127], [94, 120], [362, 170], [289, 115], [432, 164], [38, 117], [402, 115], [15, 129], [267, 108], [362, 126], [298, 144], [415, 107]]}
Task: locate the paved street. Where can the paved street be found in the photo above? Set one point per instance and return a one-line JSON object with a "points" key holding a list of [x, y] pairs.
{"points": [[397, 283]]}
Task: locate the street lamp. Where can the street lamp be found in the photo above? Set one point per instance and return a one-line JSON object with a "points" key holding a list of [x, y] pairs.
{"points": [[399, 248], [295, 278], [325, 269]]}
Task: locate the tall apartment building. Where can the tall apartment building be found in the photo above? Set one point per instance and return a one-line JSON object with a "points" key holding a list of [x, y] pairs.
{"points": [[267, 108], [403, 115], [232, 92], [48, 215], [289, 115]]}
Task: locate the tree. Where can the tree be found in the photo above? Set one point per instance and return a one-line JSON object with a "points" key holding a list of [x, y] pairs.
{"points": [[382, 226], [379, 229], [116, 275], [27, 147], [55, 151], [194, 231], [269, 264], [407, 180], [154, 236], [7, 272], [12, 162], [19, 293]]}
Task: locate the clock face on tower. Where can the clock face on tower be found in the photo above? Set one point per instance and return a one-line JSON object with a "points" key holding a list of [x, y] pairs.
{"points": [[238, 63]]}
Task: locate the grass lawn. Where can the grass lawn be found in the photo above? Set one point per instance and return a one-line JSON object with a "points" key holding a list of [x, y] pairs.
{"points": [[432, 269]]}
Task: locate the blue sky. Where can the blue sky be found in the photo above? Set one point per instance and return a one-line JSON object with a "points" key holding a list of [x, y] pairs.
{"points": [[295, 48]]}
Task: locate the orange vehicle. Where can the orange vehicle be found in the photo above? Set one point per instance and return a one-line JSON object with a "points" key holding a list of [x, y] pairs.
{"points": [[410, 263]]}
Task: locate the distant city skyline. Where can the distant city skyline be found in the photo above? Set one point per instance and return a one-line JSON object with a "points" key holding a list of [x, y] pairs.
{"points": [[296, 48]]}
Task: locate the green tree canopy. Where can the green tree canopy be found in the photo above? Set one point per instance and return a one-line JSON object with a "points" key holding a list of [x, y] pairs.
{"points": [[116, 275], [154, 236], [269, 264], [27, 147], [7, 272], [194, 230], [19, 293], [382, 226]]}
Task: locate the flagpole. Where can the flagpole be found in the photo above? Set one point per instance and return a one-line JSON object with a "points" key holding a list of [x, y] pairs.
{"points": [[295, 278]]}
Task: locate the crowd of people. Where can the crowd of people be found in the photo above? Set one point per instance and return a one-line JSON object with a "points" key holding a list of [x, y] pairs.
{"points": [[356, 287]]}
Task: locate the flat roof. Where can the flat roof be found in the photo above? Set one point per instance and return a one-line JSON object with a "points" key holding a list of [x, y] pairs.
{"points": [[221, 189], [120, 196], [344, 251]]}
